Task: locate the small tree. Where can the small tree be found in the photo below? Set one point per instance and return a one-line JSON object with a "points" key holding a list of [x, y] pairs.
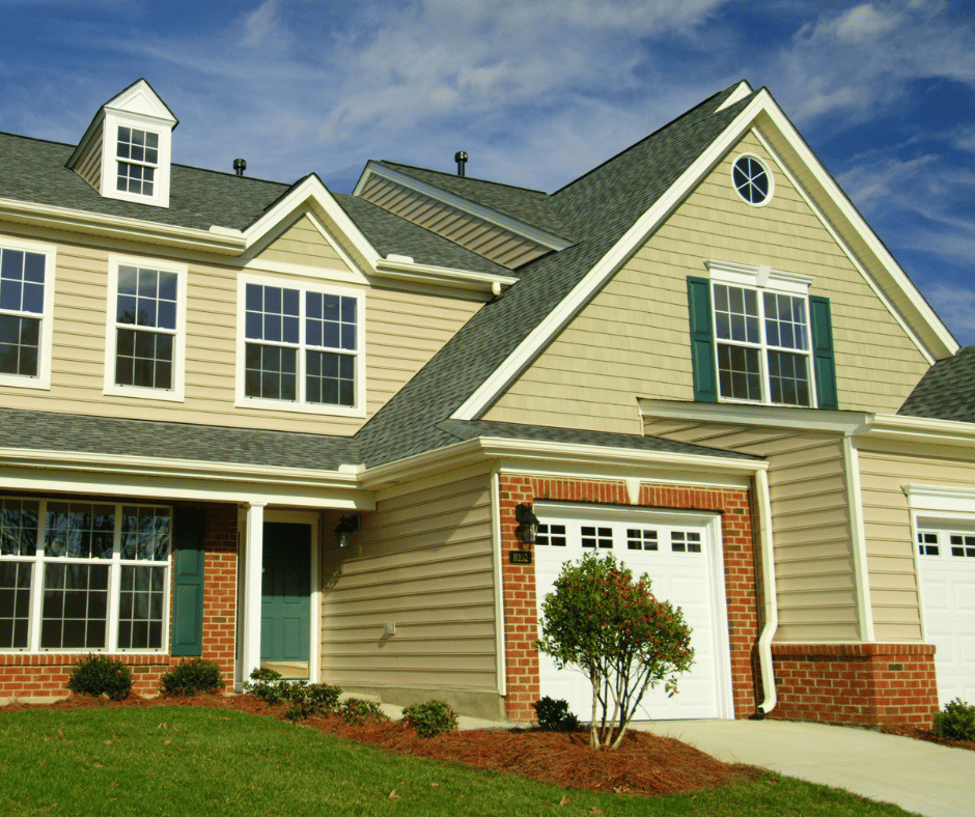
{"points": [[623, 639]]}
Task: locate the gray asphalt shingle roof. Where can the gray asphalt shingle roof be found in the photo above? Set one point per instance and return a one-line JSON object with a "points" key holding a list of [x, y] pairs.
{"points": [[595, 210], [530, 206], [947, 390]]}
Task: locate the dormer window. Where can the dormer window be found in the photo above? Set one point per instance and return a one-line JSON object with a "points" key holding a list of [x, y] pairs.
{"points": [[138, 158], [125, 153]]}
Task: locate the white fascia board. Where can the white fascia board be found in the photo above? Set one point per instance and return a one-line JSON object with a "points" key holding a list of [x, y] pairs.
{"points": [[179, 479], [443, 276], [638, 233], [921, 431], [312, 190], [51, 217], [512, 225], [850, 213], [844, 422], [539, 453]]}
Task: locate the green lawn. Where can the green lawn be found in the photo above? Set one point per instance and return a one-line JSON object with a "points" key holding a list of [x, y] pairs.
{"points": [[194, 762]]}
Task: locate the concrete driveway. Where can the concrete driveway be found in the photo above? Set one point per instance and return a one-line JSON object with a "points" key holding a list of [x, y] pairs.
{"points": [[918, 776]]}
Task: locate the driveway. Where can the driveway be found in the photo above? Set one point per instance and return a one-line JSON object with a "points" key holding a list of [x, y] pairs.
{"points": [[918, 776]]}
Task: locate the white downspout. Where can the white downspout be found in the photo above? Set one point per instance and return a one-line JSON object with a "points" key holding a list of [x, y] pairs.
{"points": [[497, 560], [768, 587]]}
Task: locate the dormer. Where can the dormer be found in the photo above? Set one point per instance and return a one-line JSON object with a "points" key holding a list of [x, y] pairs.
{"points": [[126, 151]]}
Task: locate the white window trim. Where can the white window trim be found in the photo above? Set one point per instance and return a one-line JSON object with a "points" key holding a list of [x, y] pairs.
{"points": [[763, 278], [768, 172], [111, 388], [110, 161], [46, 335], [115, 563], [242, 401]]}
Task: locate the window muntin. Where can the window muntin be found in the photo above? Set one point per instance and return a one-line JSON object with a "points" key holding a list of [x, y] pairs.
{"points": [[137, 153], [103, 570], [302, 345], [22, 306], [753, 180], [763, 347]]}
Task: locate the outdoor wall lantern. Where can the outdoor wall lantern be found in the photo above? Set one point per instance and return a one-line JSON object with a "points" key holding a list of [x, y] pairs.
{"points": [[345, 528], [527, 523]]}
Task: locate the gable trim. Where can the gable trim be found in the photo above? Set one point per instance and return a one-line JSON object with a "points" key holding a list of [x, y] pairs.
{"points": [[512, 225], [523, 355]]}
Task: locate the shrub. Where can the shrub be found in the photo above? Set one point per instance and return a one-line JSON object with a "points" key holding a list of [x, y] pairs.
{"points": [[623, 639], [304, 700], [956, 722], [101, 675], [358, 711], [430, 719], [554, 715], [192, 677]]}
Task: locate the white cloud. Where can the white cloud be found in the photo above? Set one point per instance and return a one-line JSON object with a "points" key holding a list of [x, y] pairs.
{"points": [[862, 24]]}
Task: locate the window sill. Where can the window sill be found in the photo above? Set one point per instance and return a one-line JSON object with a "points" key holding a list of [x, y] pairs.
{"points": [[298, 408], [144, 394], [17, 382]]}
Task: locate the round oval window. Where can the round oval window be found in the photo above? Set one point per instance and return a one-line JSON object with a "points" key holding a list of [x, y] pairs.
{"points": [[752, 180]]}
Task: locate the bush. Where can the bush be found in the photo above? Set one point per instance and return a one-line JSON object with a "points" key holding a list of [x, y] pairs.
{"points": [[101, 675], [554, 715], [957, 722], [430, 719], [624, 640], [304, 700], [358, 711], [192, 677]]}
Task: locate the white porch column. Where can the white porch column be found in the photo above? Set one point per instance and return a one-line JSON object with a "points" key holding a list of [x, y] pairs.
{"points": [[253, 563]]}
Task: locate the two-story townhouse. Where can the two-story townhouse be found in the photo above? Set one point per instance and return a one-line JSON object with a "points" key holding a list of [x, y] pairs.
{"points": [[272, 424]]}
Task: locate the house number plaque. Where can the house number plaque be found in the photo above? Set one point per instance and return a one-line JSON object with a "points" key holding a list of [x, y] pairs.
{"points": [[520, 557]]}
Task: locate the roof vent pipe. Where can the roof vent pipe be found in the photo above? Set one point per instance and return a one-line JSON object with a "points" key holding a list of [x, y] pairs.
{"points": [[461, 158], [240, 166]]}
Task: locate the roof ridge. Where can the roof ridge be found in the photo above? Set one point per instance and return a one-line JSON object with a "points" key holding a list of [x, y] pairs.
{"points": [[467, 178], [648, 137], [37, 139]]}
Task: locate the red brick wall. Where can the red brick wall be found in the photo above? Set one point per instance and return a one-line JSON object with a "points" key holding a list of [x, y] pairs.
{"points": [[520, 617], [858, 684], [24, 676]]}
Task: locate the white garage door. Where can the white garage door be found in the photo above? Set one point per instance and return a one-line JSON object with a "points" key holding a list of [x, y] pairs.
{"points": [[682, 555], [946, 558]]}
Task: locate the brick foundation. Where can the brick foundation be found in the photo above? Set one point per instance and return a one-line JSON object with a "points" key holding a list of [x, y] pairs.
{"points": [[520, 616], [856, 684], [24, 676]]}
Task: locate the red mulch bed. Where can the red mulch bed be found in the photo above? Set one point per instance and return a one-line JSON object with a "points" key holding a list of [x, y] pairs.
{"points": [[645, 764]]}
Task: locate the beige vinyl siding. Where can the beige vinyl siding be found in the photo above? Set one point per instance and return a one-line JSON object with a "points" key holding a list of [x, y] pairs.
{"points": [[486, 239], [423, 561], [89, 164], [303, 244], [811, 526], [632, 340], [890, 541], [403, 331]]}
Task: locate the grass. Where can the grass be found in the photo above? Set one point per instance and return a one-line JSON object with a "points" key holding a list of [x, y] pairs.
{"points": [[195, 761]]}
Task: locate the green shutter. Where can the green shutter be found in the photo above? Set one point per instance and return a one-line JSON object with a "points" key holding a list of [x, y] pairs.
{"points": [[189, 530], [702, 340], [822, 337]]}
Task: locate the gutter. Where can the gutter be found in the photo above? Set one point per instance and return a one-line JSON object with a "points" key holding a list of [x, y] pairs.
{"points": [[769, 591]]}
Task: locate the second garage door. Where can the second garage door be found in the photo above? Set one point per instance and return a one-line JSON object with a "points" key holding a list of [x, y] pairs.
{"points": [[682, 554]]}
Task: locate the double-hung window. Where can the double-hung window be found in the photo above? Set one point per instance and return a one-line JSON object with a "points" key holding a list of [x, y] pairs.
{"points": [[26, 302], [146, 337], [83, 576], [137, 154], [757, 336], [301, 347], [762, 345]]}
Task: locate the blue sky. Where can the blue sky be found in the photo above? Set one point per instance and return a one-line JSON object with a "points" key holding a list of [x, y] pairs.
{"points": [[536, 92]]}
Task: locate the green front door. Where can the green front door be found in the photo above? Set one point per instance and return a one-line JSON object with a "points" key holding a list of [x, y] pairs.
{"points": [[286, 599]]}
